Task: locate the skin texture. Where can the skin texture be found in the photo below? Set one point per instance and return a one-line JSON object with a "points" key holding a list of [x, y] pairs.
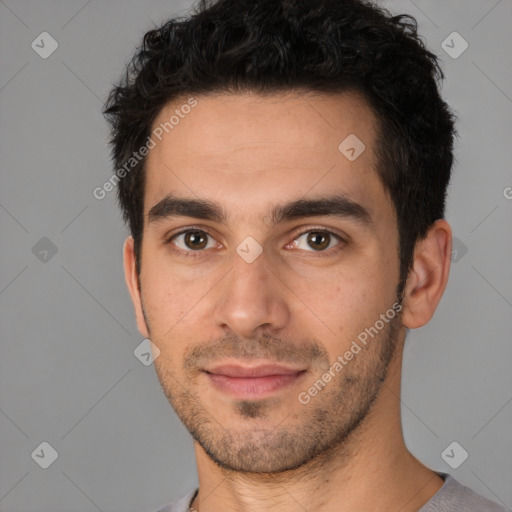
{"points": [[296, 304]]}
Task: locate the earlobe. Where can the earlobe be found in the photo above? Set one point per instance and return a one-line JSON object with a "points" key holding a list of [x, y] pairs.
{"points": [[428, 276], [132, 282]]}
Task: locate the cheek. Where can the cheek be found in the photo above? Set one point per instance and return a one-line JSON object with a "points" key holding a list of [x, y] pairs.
{"points": [[165, 300], [347, 304], [176, 301]]}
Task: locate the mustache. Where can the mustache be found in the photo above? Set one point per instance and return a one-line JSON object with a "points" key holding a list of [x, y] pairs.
{"points": [[264, 347]]}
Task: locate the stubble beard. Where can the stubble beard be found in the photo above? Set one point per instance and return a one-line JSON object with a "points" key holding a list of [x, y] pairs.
{"points": [[309, 434]]}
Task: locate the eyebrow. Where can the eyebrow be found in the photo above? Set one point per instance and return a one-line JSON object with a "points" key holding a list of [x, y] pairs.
{"points": [[334, 205]]}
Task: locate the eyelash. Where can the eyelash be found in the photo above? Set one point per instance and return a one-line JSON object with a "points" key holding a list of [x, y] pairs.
{"points": [[315, 229]]}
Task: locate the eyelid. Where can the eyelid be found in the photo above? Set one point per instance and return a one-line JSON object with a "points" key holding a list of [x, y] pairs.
{"points": [[323, 229], [185, 229]]}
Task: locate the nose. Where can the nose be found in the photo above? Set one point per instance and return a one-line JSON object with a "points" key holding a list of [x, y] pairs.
{"points": [[251, 297]]}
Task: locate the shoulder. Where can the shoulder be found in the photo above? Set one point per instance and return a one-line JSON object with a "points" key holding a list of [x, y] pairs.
{"points": [[455, 497], [183, 505]]}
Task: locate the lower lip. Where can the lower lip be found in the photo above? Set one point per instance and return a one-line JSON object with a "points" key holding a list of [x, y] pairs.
{"points": [[253, 387]]}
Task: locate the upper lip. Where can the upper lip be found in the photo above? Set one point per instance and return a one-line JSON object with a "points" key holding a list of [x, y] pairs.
{"points": [[265, 370]]}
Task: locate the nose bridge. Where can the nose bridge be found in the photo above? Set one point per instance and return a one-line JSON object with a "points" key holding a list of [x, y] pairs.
{"points": [[249, 298]]}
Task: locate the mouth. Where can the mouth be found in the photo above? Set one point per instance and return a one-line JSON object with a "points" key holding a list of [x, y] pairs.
{"points": [[251, 382]]}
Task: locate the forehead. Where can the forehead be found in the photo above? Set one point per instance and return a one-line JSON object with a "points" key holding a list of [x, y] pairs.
{"points": [[247, 150]]}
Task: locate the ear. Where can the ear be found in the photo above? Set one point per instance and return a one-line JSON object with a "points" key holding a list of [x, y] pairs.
{"points": [[428, 276], [132, 281]]}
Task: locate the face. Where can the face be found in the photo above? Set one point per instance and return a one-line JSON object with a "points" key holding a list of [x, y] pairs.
{"points": [[268, 256]]}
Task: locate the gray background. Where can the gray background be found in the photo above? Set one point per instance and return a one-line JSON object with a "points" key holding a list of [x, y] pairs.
{"points": [[68, 373]]}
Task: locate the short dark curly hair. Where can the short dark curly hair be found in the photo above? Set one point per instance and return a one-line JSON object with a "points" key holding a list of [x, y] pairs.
{"points": [[270, 46]]}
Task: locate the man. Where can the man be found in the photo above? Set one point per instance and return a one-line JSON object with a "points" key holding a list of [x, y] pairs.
{"points": [[283, 167]]}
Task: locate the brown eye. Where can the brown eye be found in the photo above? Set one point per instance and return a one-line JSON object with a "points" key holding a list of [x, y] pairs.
{"points": [[316, 240], [195, 240], [192, 240]]}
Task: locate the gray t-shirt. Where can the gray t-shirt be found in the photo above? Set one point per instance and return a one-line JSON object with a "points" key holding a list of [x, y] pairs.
{"points": [[451, 497]]}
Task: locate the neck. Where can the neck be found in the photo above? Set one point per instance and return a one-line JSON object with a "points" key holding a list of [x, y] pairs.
{"points": [[370, 470]]}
